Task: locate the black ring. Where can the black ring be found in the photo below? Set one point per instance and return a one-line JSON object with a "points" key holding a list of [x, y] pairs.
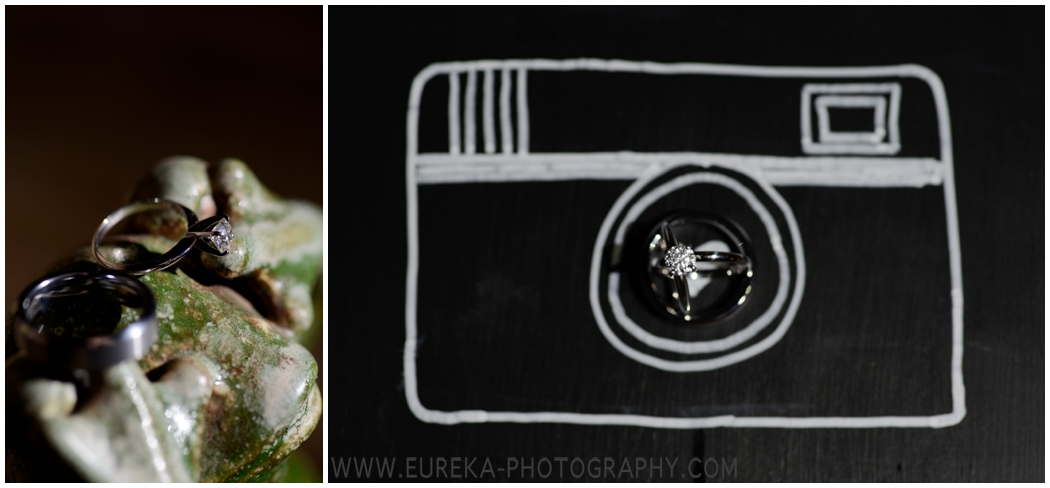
{"points": [[94, 352]]}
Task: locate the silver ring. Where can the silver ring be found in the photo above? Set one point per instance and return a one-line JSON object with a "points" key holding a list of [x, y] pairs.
{"points": [[212, 235], [680, 264], [47, 335]]}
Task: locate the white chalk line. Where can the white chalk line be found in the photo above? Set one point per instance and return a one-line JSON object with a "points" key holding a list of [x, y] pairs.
{"points": [[893, 123], [712, 346], [838, 101], [469, 101], [954, 250], [482, 416], [523, 112], [648, 67], [506, 139], [453, 113], [944, 131], [488, 118], [438, 168]]}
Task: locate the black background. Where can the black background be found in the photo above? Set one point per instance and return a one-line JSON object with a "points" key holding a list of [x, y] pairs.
{"points": [[990, 61]]}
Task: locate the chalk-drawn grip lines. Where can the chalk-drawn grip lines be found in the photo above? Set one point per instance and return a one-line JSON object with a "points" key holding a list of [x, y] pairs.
{"points": [[464, 110]]}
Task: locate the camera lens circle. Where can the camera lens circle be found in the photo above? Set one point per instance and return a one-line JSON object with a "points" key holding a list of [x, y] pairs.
{"points": [[716, 209]]}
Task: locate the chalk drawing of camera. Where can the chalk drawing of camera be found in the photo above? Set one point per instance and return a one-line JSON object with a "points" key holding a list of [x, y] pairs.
{"points": [[536, 195]]}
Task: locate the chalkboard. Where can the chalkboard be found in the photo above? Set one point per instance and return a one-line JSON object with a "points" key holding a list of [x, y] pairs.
{"points": [[506, 167]]}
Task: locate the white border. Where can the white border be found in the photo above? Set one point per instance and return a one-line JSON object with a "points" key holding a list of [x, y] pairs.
{"points": [[945, 176]]}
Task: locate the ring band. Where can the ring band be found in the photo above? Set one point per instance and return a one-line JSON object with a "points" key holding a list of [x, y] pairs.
{"points": [[212, 235], [722, 259], [34, 326], [680, 263]]}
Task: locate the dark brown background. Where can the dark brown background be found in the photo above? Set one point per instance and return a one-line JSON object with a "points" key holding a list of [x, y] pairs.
{"points": [[97, 95]]}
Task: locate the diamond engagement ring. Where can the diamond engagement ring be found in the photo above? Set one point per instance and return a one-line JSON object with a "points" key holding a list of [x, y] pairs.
{"points": [[211, 235], [66, 321], [680, 264]]}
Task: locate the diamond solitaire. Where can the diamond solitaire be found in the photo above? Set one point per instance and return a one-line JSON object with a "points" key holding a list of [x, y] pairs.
{"points": [[223, 234], [680, 260]]}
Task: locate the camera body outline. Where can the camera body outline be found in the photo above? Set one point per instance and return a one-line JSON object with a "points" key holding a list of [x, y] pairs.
{"points": [[836, 159]]}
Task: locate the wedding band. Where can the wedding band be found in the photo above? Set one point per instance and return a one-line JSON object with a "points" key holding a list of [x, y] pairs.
{"points": [[47, 336], [212, 235]]}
